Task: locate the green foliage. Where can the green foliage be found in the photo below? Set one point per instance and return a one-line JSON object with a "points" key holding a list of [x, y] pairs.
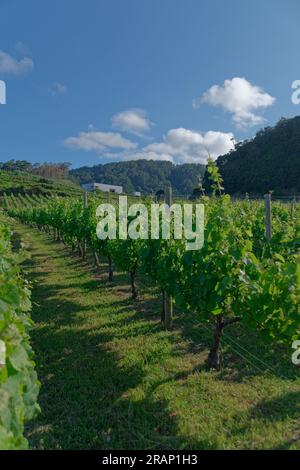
{"points": [[214, 177], [16, 165], [236, 276], [18, 380]]}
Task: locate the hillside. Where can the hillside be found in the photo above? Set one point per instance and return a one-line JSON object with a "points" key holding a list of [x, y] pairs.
{"points": [[270, 161], [146, 176], [17, 182]]}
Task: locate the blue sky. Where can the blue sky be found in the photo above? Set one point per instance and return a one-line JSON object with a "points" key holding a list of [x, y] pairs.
{"points": [[105, 80]]}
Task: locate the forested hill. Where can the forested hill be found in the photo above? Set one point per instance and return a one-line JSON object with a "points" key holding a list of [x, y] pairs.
{"points": [[270, 161], [146, 176]]}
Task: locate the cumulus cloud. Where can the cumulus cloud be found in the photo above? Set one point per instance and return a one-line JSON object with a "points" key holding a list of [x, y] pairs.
{"points": [[134, 121], [99, 141], [11, 66], [57, 89], [239, 97], [188, 146]]}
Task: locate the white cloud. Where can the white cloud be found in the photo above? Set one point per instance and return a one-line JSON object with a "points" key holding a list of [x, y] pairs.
{"points": [[134, 121], [99, 141], [188, 146], [239, 97], [11, 66], [218, 143], [57, 89]]}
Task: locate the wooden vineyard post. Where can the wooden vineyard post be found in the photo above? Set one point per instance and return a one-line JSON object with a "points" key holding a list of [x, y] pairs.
{"points": [[168, 302], [168, 311], [163, 310], [268, 217], [85, 204]]}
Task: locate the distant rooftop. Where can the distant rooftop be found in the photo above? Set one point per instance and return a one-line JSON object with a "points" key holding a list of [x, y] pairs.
{"points": [[103, 187]]}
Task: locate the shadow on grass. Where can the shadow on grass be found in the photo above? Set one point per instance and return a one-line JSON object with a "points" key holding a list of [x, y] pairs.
{"points": [[275, 410], [279, 408], [90, 399], [86, 401]]}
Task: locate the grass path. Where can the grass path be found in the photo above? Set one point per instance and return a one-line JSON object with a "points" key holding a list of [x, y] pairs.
{"points": [[113, 379]]}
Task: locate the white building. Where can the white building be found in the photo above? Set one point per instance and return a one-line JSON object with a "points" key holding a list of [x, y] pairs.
{"points": [[110, 188]]}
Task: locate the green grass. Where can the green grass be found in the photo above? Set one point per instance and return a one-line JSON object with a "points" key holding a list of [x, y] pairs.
{"points": [[112, 378]]}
